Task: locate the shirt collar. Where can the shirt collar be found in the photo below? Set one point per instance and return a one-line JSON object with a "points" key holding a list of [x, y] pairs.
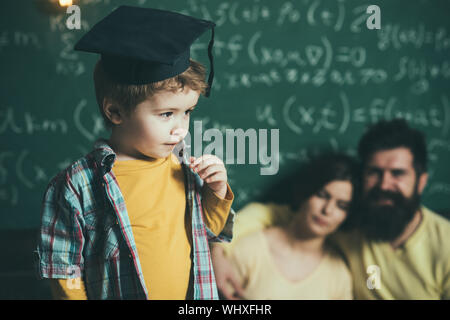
{"points": [[104, 155]]}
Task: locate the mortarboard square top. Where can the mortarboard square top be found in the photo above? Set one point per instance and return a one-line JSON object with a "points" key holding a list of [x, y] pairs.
{"points": [[144, 45]]}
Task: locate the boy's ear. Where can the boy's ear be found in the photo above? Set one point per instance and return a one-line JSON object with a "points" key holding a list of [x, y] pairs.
{"points": [[112, 111]]}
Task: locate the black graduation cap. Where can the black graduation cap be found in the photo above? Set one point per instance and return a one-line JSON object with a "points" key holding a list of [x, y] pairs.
{"points": [[144, 45]]}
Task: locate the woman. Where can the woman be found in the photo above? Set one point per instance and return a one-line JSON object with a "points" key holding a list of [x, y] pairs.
{"points": [[291, 258]]}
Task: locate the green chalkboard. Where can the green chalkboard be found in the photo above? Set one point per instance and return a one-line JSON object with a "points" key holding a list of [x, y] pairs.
{"points": [[312, 70]]}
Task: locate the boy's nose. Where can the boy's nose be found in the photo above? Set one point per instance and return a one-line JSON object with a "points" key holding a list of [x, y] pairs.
{"points": [[180, 132]]}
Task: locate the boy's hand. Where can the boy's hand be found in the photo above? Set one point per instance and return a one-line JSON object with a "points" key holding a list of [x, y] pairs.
{"points": [[212, 170]]}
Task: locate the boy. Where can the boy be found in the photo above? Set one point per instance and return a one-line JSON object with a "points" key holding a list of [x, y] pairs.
{"points": [[128, 220]]}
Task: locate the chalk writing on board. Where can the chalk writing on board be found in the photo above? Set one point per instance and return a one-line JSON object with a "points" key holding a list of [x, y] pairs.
{"points": [[236, 13], [231, 46], [265, 114], [90, 134], [68, 62], [27, 170], [325, 116], [439, 187], [9, 195], [313, 54], [29, 124], [412, 68], [395, 36], [20, 39]]}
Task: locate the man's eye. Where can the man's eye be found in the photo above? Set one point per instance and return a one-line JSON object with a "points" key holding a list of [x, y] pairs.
{"points": [[166, 114], [398, 173]]}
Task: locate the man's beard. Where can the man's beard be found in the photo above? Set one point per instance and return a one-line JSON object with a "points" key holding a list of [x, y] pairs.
{"points": [[386, 222]]}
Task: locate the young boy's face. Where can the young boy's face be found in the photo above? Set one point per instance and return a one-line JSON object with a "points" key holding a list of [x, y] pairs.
{"points": [[157, 124]]}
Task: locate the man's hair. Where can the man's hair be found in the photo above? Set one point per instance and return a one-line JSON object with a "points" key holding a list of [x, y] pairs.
{"points": [[129, 96], [387, 135]]}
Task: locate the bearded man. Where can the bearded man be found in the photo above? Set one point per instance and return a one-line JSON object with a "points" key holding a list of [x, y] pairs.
{"points": [[399, 248]]}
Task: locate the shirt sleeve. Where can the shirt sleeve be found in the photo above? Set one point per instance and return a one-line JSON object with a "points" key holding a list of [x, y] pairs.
{"points": [[253, 217], [68, 289], [216, 209], [61, 239]]}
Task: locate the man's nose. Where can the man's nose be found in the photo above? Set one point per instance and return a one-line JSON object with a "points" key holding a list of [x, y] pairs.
{"points": [[386, 181]]}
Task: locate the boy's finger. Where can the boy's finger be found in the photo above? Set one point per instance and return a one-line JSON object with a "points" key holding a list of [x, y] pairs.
{"points": [[208, 171], [206, 163], [197, 160], [204, 158], [216, 177]]}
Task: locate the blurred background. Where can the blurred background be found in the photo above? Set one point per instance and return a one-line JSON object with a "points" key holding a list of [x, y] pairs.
{"points": [[311, 69]]}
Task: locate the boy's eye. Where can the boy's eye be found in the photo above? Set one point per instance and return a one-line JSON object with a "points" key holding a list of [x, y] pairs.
{"points": [[189, 111], [166, 114]]}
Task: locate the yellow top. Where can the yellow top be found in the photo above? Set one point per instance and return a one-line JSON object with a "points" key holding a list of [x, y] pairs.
{"points": [[419, 269], [262, 279], [160, 227], [68, 289]]}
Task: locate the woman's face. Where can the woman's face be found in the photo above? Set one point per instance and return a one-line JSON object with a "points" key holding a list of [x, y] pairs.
{"points": [[324, 211]]}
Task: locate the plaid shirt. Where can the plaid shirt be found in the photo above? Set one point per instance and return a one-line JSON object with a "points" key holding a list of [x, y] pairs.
{"points": [[86, 232]]}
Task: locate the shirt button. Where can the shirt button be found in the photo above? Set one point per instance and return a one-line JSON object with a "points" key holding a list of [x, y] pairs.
{"points": [[129, 256]]}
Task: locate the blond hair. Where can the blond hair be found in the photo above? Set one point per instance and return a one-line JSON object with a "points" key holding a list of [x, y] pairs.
{"points": [[129, 96]]}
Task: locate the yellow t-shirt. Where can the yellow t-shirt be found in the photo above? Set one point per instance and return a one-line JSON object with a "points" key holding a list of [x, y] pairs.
{"points": [[161, 230], [262, 280], [419, 269]]}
